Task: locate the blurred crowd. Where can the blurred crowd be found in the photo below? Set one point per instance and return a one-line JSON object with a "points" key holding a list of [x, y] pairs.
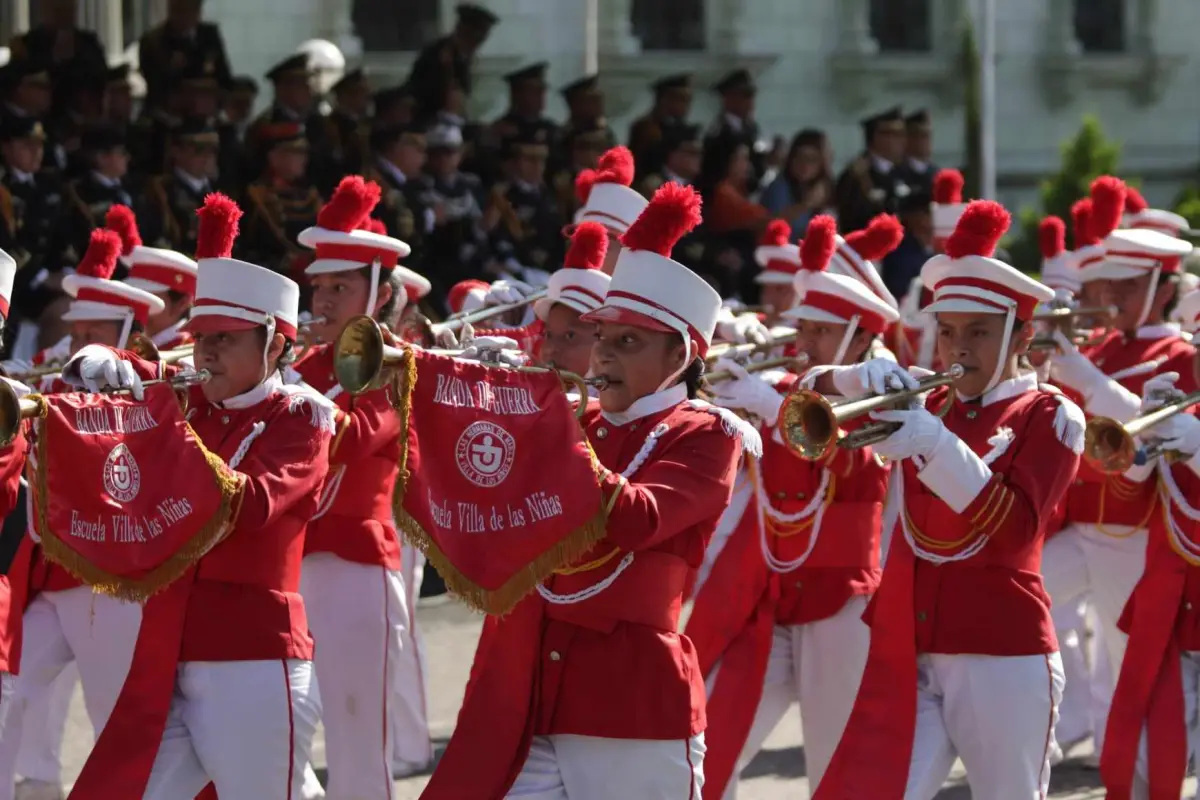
{"points": [[475, 199]]}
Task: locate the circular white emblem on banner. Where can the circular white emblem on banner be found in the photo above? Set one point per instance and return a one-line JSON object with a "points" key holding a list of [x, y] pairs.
{"points": [[484, 453], [122, 478]]}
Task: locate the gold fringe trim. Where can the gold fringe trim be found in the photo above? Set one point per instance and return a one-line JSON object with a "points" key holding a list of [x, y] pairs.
{"points": [[138, 590], [489, 601]]}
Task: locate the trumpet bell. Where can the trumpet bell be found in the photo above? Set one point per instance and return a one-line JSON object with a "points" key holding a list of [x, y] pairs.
{"points": [[361, 355], [1108, 446], [13, 410], [809, 423]]}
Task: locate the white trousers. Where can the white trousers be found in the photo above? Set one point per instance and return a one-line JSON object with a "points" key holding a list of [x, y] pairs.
{"points": [[44, 727], [411, 744], [6, 694], [95, 631], [355, 613], [247, 726], [1191, 685], [565, 767], [820, 665], [1083, 560], [996, 713]]}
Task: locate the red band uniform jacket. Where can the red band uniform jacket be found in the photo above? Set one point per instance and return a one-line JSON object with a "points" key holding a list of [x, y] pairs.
{"points": [[610, 664], [14, 585]]}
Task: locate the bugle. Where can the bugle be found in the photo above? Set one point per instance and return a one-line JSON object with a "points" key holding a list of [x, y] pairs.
{"points": [[760, 366], [38, 372], [143, 347], [457, 322], [1111, 446], [307, 325], [1067, 320], [811, 422], [13, 410], [741, 351], [363, 359]]}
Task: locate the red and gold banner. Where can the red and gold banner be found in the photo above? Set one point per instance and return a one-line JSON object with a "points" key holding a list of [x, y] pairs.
{"points": [[125, 496], [497, 483]]}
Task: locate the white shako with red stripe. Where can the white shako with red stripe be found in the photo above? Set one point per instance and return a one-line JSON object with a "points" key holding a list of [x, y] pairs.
{"points": [[1139, 215], [777, 255], [1103, 216], [947, 205], [1133, 252], [649, 290], [855, 255], [467, 296], [343, 245], [605, 192], [1187, 310], [153, 269], [827, 297], [580, 284], [968, 279], [97, 297], [1059, 271], [234, 295], [8, 273]]}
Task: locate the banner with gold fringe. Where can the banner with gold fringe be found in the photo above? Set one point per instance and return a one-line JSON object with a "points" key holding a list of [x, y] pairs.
{"points": [[125, 496], [497, 485]]}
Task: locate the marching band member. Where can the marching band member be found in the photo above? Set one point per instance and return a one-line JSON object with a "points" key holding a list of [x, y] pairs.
{"points": [[1187, 310], [775, 255], [12, 462], [168, 275], [1059, 270], [231, 695], [1102, 549], [1153, 728], [779, 619], [963, 662], [351, 582], [64, 619], [585, 690], [575, 290], [857, 256], [1139, 215]]}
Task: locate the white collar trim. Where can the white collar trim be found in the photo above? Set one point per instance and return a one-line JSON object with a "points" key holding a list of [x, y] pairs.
{"points": [[1158, 330], [648, 405], [256, 395], [1006, 390]]}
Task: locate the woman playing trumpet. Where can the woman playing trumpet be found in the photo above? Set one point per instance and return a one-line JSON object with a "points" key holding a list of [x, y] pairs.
{"points": [[963, 661], [778, 619]]}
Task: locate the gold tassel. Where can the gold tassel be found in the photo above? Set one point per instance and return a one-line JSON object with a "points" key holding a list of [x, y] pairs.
{"points": [[129, 589]]}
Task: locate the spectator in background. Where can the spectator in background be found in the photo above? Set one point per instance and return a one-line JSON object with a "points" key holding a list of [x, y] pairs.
{"points": [[118, 97], [395, 107], [918, 168], [736, 121], [901, 266], [447, 61], [872, 183], [732, 221], [59, 46], [805, 186], [672, 104], [182, 44], [239, 103]]}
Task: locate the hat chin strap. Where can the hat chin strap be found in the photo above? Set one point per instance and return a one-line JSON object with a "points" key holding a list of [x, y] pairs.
{"points": [[851, 329], [1010, 318], [126, 330], [373, 293], [687, 360], [270, 325], [1151, 291]]}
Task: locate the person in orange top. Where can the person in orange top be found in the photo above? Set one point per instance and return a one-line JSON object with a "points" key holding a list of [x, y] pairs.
{"points": [[963, 661]]}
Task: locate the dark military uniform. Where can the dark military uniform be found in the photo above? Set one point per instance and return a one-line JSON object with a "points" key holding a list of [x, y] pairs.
{"points": [[88, 198], [646, 132], [167, 211], [320, 166], [745, 131], [522, 127], [165, 55], [442, 64], [918, 175], [582, 146], [149, 139], [456, 246], [528, 232], [585, 105], [690, 249], [37, 46], [30, 208], [864, 189], [401, 208]]}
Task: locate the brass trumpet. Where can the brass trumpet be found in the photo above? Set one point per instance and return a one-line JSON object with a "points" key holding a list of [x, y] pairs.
{"points": [[363, 360], [811, 422], [760, 366], [741, 351], [31, 375], [1067, 320], [1110, 446], [456, 322]]}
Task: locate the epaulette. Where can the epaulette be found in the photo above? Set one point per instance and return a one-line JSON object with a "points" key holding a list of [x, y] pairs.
{"points": [[734, 426], [321, 409]]}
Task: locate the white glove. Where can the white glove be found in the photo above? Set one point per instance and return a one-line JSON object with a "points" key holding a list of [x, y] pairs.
{"points": [[744, 328], [1180, 433], [918, 435], [16, 366], [99, 369], [60, 351], [746, 392], [1102, 395], [507, 291], [877, 376], [1158, 390], [445, 337], [496, 350], [729, 307]]}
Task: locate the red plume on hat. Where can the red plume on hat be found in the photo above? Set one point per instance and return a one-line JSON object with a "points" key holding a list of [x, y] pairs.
{"points": [[820, 240], [979, 229], [1108, 204], [218, 227], [589, 244], [673, 212], [1134, 202], [948, 187], [881, 236], [1052, 236], [121, 220], [353, 201], [1081, 223], [100, 260], [372, 225], [615, 166], [777, 234]]}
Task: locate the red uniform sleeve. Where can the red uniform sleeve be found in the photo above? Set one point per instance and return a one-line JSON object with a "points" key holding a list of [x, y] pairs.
{"points": [[287, 461], [688, 483], [12, 463], [370, 425]]}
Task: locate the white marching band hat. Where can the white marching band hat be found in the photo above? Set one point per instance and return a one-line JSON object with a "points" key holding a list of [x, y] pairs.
{"points": [[1139, 215], [233, 295], [1059, 271], [606, 194], [777, 255], [581, 284], [856, 254], [1126, 253], [947, 205], [152, 269], [648, 288], [96, 297]]}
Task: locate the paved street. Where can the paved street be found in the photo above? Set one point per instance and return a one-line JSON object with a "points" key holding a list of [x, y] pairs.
{"points": [[449, 634]]}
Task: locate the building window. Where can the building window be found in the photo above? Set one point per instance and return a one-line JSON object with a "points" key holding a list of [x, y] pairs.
{"points": [[682, 29], [1100, 25], [902, 26], [381, 29]]}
